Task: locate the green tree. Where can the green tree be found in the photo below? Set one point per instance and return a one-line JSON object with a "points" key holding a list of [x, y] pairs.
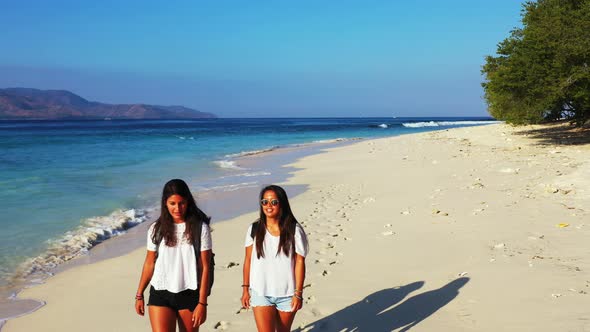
{"points": [[541, 71]]}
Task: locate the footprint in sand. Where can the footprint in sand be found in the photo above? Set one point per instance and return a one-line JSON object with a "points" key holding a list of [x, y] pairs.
{"points": [[231, 264], [310, 300], [221, 325]]}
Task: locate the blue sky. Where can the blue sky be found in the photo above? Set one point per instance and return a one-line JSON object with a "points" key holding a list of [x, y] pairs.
{"points": [[260, 58]]}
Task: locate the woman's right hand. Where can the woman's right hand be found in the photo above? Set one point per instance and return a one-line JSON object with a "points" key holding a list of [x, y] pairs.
{"points": [[139, 307], [246, 299]]}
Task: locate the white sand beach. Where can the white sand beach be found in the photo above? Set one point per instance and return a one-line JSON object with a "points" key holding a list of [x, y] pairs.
{"points": [[471, 229]]}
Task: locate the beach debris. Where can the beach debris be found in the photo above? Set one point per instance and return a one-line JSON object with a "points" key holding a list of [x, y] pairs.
{"points": [[437, 211], [477, 185], [562, 225], [551, 190], [333, 262], [231, 264], [462, 274], [221, 325], [568, 207], [476, 211], [555, 295], [510, 170], [500, 246]]}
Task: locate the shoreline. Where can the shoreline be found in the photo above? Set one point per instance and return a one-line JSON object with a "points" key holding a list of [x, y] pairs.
{"points": [[474, 229], [12, 306]]}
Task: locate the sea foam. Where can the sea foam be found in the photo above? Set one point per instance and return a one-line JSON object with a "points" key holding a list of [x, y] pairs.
{"points": [[77, 242], [445, 123]]}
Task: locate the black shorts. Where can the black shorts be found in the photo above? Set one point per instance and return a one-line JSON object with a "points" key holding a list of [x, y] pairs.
{"points": [[187, 299]]}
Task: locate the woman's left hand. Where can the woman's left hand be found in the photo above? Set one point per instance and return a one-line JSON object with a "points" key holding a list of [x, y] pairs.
{"points": [[296, 303], [199, 315]]}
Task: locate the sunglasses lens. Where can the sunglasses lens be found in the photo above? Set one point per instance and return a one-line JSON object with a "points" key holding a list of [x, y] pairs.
{"points": [[265, 202]]}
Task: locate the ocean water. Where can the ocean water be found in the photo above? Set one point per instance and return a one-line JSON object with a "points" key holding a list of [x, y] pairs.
{"points": [[67, 185]]}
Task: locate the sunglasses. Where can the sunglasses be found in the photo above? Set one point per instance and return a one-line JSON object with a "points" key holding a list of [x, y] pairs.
{"points": [[273, 202]]}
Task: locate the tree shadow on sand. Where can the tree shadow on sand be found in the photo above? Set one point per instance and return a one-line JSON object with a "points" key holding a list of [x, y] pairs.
{"points": [[558, 134], [380, 311]]}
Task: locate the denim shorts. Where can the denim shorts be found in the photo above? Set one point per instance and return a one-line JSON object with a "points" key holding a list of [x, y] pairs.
{"points": [[282, 303]]}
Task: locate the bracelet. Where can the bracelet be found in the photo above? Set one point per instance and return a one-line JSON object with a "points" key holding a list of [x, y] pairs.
{"points": [[297, 296], [137, 298], [245, 285], [298, 291], [204, 304]]}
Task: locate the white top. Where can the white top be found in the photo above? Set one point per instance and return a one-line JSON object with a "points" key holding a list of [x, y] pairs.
{"points": [[274, 275], [176, 267]]}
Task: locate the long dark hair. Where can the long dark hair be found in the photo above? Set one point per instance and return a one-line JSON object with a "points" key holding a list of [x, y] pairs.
{"points": [[164, 225], [287, 223]]}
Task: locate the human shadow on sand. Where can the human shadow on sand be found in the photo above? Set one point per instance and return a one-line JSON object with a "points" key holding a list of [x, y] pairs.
{"points": [[385, 311]]}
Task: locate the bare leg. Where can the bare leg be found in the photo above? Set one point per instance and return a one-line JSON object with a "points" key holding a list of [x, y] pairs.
{"points": [[266, 318], [163, 319], [285, 320], [185, 321]]}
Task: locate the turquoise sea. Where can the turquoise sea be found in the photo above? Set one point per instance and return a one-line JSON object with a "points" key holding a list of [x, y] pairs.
{"points": [[67, 185]]}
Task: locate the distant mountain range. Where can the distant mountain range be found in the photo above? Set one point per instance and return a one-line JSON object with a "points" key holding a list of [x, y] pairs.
{"points": [[24, 103]]}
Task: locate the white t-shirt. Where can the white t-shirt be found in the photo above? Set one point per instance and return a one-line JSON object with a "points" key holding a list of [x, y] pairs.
{"points": [[176, 267], [274, 275]]}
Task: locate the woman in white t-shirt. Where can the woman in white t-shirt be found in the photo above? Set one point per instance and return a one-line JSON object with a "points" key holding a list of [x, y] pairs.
{"points": [[274, 265], [178, 274]]}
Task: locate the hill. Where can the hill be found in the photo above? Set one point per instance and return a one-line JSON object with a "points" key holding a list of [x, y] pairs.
{"points": [[25, 103]]}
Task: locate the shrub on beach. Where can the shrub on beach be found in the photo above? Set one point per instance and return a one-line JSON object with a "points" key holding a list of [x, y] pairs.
{"points": [[541, 72]]}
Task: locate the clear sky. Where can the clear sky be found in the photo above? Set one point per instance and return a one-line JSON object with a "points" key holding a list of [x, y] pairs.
{"points": [[260, 58]]}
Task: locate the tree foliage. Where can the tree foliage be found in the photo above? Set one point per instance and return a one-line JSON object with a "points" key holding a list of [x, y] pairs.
{"points": [[542, 70]]}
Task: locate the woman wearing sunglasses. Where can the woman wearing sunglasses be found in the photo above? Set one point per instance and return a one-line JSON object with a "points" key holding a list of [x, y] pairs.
{"points": [[274, 265]]}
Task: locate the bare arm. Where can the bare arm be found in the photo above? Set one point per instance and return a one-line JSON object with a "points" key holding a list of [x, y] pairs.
{"points": [[200, 313], [246, 278], [146, 276], [297, 302]]}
